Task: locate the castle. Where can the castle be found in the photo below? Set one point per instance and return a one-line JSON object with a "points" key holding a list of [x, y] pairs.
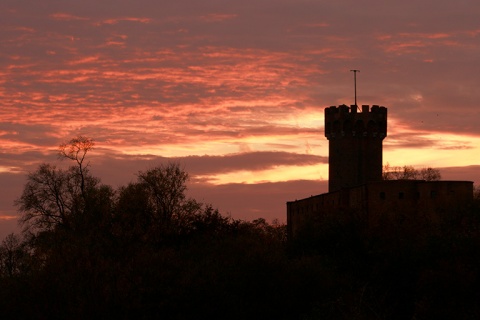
{"points": [[355, 177]]}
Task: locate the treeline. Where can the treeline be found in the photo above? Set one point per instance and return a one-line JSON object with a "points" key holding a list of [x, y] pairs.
{"points": [[146, 251], [410, 173], [142, 251]]}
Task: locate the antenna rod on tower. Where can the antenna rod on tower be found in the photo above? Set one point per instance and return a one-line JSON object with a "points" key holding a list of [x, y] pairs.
{"points": [[355, 83]]}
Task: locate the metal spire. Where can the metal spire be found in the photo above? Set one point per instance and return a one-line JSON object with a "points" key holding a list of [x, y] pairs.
{"points": [[355, 83]]}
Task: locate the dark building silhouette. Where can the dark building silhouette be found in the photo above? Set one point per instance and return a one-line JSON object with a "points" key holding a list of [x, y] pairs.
{"points": [[355, 145], [355, 178]]}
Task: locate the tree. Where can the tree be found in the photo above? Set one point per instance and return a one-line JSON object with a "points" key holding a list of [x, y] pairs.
{"points": [[410, 173], [156, 205], [76, 149], [430, 174], [49, 199], [134, 212], [55, 197], [165, 186], [13, 256]]}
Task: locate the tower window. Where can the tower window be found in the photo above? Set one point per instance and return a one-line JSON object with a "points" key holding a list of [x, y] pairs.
{"points": [[382, 195], [401, 195]]}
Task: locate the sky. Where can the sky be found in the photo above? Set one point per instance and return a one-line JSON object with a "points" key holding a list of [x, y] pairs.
{"points": [[234, 90]]}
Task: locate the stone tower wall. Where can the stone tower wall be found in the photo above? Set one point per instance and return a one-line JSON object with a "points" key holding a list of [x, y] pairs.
{"points": [[355, 144]]}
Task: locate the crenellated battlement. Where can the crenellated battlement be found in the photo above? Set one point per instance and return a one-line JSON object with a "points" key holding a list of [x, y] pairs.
{"points": [[342, 109], [344, 121]]}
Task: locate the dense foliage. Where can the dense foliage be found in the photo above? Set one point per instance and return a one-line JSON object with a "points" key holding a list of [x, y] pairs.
{"points": [[146, 251]]}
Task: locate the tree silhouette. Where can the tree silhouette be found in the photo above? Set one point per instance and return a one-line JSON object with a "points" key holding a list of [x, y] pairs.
{"points": [[13, 256], [54, 197], [165, 186], [76, 149], [410, 173]]}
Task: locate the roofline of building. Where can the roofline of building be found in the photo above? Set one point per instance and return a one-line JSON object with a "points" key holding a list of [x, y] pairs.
{"points": [[384, 182]]}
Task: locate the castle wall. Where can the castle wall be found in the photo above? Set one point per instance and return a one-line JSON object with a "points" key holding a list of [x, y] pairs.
{"points": [[374, 201], [301, 213], [428, 200]]}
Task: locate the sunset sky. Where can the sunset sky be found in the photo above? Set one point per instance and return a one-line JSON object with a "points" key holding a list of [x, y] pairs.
{"points": [[234, 90]]}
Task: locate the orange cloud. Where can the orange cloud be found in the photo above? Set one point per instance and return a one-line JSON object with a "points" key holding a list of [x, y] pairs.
{"points": [[8, 217], [411, 43], [218, 17], [128, 19], [66, 17]]}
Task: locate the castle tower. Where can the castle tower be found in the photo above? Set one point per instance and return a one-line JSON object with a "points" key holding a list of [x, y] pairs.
{"points": [[355, 145]]}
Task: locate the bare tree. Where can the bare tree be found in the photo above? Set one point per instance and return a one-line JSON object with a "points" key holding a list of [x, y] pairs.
{"points": [[13, 256], [46, 200], [166, 185], [430, 174], [76, 149], [54, 197], [409, 173]]}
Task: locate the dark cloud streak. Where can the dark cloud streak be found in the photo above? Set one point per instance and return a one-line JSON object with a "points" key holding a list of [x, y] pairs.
{"points": [[108, 167]]}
